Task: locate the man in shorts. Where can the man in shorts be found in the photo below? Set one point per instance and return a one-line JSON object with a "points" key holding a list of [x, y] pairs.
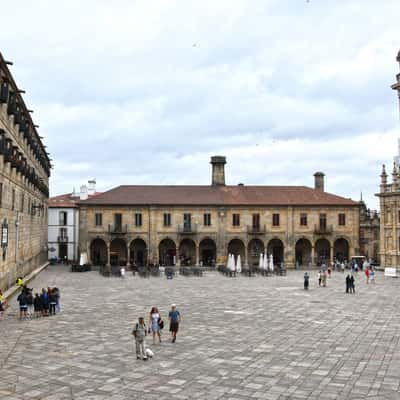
{"points": [[174, 321]]}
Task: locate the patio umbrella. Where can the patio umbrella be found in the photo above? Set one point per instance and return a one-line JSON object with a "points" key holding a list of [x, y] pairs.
{"points": [[271, 262], [228, 262], [265, 263], [261, 262], [238, 265], [231, 263]]}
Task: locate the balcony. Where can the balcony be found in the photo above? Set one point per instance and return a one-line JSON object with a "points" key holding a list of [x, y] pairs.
{"points": [[117, 229], [62, 239], [323, 230], [256, 229], [187, 229]]}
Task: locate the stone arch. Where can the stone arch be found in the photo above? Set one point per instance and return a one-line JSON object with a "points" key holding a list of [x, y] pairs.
{"points": [[341, 249], [187, 252], [208, 252], [303, 251], [276, 248], [237, 247], [254, 248], [138, 252], [98, 252], [118, 252], [167, 252], [322, 250]]}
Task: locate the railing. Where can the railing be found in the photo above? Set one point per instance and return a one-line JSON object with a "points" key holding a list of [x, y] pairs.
{"points": [[117, 229], [256, 229], [323, 230], [62, 239], [187, 229]]}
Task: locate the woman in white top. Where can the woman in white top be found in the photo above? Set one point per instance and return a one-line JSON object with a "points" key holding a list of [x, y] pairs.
{"points": [[154, 324]]}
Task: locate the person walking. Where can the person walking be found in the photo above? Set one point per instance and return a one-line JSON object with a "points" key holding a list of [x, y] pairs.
{"points": [[366, 271], [348, 283], [139, 332], [155, 323], [324, 276], [372, 275], [52, 302], [319, 278], [174, 321], [306, 281], [352, 284]]}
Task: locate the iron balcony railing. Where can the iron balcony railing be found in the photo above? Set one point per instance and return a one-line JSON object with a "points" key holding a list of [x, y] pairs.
{"points": [[62, 239], [187, 229], [256, 229], [117, 229], [323, 229]]}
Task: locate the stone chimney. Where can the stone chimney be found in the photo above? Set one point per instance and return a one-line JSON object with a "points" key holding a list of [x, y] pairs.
{"points": [[218, 170], [91, 187], [319, 181], [83, 195]]}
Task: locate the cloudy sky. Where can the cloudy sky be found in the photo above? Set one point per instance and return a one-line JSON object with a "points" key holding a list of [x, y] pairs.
{"points": [[145, 91]]}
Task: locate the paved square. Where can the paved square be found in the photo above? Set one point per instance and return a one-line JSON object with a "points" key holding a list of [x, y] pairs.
{"points": [[241, 338]]}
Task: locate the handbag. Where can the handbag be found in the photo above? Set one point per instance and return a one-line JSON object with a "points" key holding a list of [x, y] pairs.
{"points": [[160, 323]]}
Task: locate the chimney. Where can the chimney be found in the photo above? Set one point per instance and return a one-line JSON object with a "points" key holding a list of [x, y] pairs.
{"points": [[218, 170], [319, 181], [83, 195], [91, 187]]}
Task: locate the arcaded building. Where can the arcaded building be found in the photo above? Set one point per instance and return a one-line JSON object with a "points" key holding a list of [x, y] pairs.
{"points": [[201, 225], [24, 176]]}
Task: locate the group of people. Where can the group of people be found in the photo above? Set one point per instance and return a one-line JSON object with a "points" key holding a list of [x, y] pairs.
{"points": [[155, 326], [41, 305]]}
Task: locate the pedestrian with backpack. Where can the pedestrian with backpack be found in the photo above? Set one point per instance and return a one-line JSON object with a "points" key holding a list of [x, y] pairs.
{"points": [[174, 321], [139, 332]]}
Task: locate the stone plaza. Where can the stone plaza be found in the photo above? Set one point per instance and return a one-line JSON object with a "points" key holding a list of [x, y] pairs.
{"points": [[241, 338]]}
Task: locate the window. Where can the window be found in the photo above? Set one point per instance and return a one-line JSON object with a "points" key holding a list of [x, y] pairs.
{"points": [[303, 219], [1, 194], [275, 220], [29, 206], [207, 219], [63, 233], [118, 222], [236, 219], [256, 220], [138, 219], [322, 221], [98, 219], [13, 199], [63, 217], [167, 219], [22, 202], [399, 215], [342, 219], [187, 221]]}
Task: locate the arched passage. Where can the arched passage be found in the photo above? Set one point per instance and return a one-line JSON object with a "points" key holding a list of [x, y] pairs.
{"points": [[187, 252], [341, 249], [98, 252], [138, 252], [208, 252], [254, 249], [167, 252], [303, 252], [118, 252], [322, 250], [236, 247], [276, 248]]}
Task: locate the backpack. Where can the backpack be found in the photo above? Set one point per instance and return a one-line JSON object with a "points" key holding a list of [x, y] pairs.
{"points": [[160, 323]]}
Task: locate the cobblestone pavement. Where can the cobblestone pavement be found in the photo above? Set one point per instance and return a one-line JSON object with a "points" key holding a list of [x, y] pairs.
{"points": [[241, 338]]}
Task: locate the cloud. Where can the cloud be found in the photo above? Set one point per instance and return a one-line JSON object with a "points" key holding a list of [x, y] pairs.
{"points": [[145, 92]]}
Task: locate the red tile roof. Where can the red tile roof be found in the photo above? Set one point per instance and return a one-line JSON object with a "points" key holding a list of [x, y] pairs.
{"points": [[66, 200], [218, 195]]}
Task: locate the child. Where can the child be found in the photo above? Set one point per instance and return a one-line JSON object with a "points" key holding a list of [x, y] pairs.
{"points": [[37, 305], [139, 331]]}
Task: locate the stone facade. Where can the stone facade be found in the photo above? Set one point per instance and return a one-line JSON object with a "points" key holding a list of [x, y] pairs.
{"points": [[369, 233], [297, 225], [389, 198], [24, 172]]}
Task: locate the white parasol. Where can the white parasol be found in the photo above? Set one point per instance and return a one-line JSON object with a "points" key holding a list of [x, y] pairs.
{"points": [[271, 262], [238, 265]]}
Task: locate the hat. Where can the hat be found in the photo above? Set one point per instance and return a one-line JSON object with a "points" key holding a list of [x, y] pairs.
{"points": [[173, 305]]}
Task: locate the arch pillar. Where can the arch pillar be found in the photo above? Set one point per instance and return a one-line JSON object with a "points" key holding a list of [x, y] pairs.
{"points": [[178, 257], [108, 257], [246, 255], [197, 254], [331, 253], [312, 254]]}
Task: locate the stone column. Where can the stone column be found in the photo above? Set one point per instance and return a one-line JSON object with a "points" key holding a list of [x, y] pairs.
{"points": [[312, 255], [246, 256], [330, 253], [197, 254], [108, 257], [178, 258], [128, 256]]}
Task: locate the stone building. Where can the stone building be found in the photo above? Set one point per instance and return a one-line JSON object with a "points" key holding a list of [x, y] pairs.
{"points": [[63, 229], [389, 199], [369, 233], [202, 224], [24, 174]]}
